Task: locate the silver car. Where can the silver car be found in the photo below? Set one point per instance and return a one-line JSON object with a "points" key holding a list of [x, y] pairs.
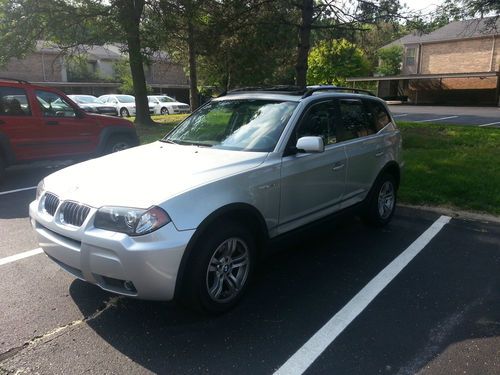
{"points": [[186, 217]]}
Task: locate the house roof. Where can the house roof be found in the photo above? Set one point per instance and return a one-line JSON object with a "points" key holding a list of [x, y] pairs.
{"points": [[457, 30]]}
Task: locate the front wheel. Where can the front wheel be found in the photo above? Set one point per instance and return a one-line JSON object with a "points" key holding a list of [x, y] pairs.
{"points": [[382, 202], [118, 143], [219, 272], [124, 112], [164, 111]]}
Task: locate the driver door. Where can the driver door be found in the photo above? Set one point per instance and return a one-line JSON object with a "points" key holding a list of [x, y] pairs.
{"points": [[312, 184], [63, 131]]}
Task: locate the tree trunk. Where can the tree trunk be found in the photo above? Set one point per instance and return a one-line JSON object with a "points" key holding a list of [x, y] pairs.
{"points": [[130, 12], [193, 76], [307, 10]]}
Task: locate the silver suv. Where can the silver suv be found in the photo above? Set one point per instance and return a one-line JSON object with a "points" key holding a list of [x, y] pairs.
{"points": [[187, 216]]}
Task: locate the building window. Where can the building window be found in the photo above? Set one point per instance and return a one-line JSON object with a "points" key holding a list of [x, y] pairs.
{"points": [[410, 56]]}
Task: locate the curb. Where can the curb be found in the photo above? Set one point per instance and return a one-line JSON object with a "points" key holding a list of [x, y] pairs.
{"points": [[457, 214]]}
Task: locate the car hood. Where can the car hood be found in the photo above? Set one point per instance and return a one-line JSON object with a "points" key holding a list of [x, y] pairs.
{"points": [[147, 175]]}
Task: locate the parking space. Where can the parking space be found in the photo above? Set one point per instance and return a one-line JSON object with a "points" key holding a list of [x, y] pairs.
{"points": [[438, 315], [476, 116]]}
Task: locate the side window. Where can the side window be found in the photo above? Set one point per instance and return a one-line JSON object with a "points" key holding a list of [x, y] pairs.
{"points": [[53, 105], [379, 116], [14, 102], [319, 121], [355, 122]]}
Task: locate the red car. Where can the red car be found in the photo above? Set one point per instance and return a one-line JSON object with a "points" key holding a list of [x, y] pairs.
{"points": [[39, 123]]}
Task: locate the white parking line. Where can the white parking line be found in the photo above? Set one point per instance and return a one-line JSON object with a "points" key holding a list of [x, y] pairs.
{"points": [[19, 256], [437, 119], [491, 123], [311, 350], [401, 115], [16, 190]]}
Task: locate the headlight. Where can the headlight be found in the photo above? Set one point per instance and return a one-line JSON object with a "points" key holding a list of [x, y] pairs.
{"points": [[132, 221], [40, 189]]}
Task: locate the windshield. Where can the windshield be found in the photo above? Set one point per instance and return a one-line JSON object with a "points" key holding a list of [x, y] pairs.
{"points": [[125, 98], [165, 99], [85, 99], [243, 125]]}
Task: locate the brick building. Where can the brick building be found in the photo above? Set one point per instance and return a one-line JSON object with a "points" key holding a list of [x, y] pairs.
{"points": [[50, 66], [456, 64]]}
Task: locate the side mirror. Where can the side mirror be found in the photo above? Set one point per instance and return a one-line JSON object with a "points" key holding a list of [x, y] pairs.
{"points": [[310, 144]]}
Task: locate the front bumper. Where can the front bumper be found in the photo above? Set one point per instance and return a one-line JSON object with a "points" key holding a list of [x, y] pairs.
{"points": [[145, 267]]}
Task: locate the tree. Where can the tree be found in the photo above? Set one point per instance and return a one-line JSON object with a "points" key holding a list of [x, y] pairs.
{"points": [[74, 23], [330, 62], [390, 60]]}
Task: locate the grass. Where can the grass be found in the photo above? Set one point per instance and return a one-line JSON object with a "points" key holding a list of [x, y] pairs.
{"points": [[446, 165], [453, 166]]}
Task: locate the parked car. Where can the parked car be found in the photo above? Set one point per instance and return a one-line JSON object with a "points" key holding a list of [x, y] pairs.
{"points": [[165, 105], [38, 122], [90, 103], [124, 104], [244, 168]]}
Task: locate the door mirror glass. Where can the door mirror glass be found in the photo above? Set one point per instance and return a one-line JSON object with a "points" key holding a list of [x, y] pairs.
{"points": [[310, 144]]}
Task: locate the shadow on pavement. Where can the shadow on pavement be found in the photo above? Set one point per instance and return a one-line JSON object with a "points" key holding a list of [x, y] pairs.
{"points": [[293, 293]]}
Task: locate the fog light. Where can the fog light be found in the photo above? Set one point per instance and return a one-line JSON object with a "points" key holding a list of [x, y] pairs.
{"points": [[129, 285]]}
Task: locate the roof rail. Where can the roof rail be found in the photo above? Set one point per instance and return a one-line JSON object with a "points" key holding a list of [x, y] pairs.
{"points": [[282, 89], [312, 89], [13, 80]]}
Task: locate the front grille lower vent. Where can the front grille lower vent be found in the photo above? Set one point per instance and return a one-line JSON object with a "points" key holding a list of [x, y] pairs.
{"points": [[74, 213], [51, 203]]}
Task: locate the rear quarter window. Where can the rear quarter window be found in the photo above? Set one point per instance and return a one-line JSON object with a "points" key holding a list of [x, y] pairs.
{"points": [[379, 117], [14, 102]]}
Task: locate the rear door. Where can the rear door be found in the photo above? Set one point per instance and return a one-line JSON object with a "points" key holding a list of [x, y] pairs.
{"points": [[17, 122], [364, 148], [64, 131]]}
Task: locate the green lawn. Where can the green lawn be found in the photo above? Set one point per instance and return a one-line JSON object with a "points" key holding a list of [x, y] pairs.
{"points": [[453, 166], [446, 165]]}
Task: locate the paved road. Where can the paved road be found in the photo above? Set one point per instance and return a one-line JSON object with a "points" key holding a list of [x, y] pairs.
{"points": [[439, 315], [478, 116]]}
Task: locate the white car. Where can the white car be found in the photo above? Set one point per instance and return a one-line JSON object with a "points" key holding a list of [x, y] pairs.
{"points": [[124, 104], [165, 105]]}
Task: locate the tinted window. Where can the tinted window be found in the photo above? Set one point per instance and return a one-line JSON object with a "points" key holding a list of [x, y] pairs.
{"points": [[14, 102], [355, 122], [319, 121], [379, 116], [53, 105]]}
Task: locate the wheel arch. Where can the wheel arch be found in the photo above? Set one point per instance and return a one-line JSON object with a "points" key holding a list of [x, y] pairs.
{"points": [[242, 212], [112, 131], [392, 168]]}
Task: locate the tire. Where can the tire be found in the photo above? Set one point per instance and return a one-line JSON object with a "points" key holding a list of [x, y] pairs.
{"points": [[117, 143], [382, 201], [164, 111], [220, 269], [124, 112]]}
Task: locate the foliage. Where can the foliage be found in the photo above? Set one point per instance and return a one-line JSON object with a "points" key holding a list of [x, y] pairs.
{"points": [[123, 75], [330, 62], [390, 60], [79, 69]]}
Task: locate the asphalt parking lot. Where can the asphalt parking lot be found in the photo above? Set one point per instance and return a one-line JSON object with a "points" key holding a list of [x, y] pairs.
{"points": [[419, 296], [475, 116]]}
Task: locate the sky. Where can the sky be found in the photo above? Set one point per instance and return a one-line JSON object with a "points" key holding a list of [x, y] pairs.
{"points": [[423, 5]]}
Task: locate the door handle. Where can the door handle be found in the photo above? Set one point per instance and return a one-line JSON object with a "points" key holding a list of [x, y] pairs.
{"points": [[380, 153], [338, 166], [53, 122]]}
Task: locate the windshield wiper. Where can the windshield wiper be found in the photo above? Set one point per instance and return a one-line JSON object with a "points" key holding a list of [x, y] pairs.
{"points": [[169, 141]]}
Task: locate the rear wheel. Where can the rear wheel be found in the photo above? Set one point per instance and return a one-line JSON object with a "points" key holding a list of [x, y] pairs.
{"points": [[117, 143], [164, 111], [219, 271], [382, 202], [124, 112]]}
